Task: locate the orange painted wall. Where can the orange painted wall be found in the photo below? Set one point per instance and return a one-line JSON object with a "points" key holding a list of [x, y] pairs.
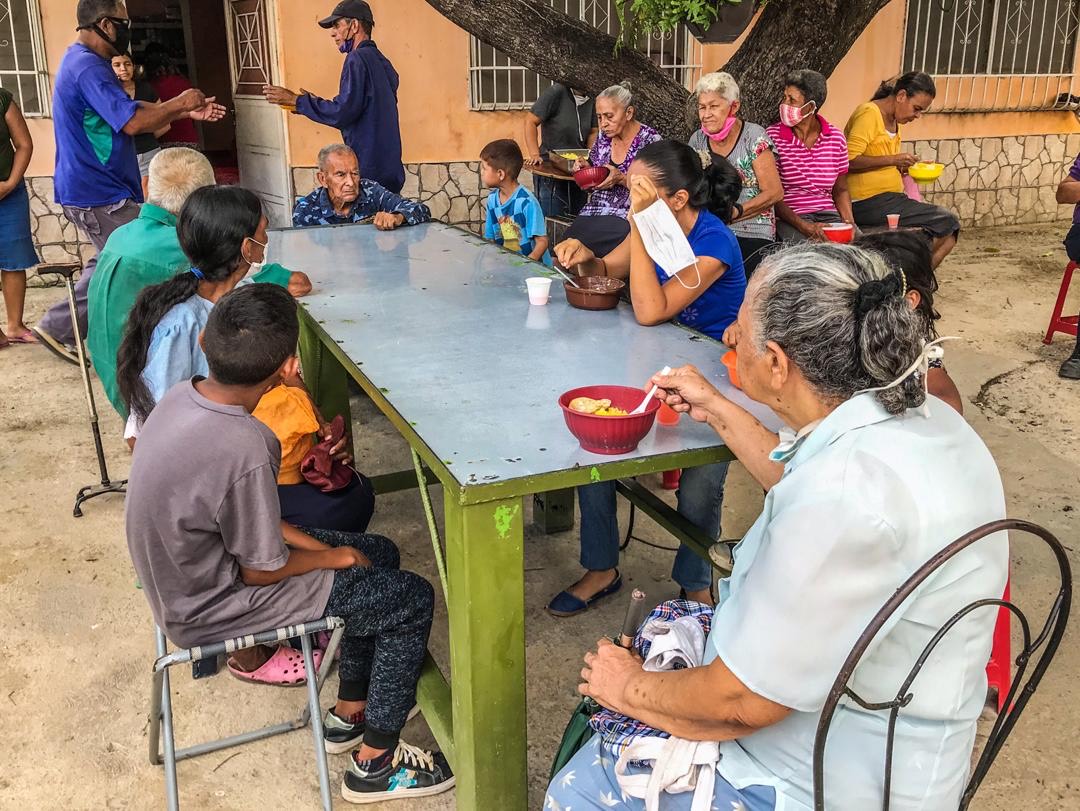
{"points": [[432, 57]]}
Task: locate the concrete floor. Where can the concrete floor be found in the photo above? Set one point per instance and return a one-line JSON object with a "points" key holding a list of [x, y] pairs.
{"points": [[77, 647]]}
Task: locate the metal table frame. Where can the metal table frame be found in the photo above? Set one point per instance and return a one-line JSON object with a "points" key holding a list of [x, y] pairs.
{"points": [[481, 723]]}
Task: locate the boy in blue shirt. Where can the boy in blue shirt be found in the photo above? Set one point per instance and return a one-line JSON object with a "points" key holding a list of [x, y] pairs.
{"points": [[514, 217]]}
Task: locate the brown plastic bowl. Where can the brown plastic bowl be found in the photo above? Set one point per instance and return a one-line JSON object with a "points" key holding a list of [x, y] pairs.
{"points": [[595, 293]]}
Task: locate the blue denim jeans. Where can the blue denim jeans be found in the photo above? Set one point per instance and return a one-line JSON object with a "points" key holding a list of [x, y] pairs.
{"points": [[700, 498], [559, 198]]}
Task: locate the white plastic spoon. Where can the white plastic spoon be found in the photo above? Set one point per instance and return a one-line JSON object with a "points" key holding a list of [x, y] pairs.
{"points": [[652, 393], [565, 275]]}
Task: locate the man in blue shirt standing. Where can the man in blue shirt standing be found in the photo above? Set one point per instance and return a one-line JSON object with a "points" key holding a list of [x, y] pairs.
{"points": [[97, 173], [365, 108]]}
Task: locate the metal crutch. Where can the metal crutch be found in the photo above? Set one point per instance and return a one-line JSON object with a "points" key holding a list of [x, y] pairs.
{"points": [[68, 271]]}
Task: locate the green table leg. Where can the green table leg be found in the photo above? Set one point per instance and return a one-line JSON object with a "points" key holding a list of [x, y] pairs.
{"points": [[485, 564], [324, 375]]}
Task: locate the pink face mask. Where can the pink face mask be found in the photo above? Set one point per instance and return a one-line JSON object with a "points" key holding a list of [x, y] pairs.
{"points": [[790, 115], [716, 137]]}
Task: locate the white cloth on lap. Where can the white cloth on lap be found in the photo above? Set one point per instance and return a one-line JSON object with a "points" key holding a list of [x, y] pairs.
{"points": [[678, 765]]}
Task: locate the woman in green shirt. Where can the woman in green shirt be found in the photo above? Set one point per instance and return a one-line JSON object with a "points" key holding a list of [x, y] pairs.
{"points": [[16, 246]]}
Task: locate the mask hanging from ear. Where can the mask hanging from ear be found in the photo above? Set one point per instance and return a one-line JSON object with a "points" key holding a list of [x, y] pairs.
{"points": [[347, 46], [665, 241], [256, 267]]}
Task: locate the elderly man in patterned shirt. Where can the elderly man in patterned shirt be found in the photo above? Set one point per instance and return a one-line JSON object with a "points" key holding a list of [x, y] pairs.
{"points": [[345, 197]]}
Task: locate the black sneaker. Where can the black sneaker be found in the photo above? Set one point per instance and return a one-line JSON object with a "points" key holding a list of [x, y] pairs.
{"points": [[339, 735], [411, 772], [1070, 369]]}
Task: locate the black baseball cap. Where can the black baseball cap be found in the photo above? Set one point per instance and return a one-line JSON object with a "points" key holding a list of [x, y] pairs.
{"points": [[351, 9]]}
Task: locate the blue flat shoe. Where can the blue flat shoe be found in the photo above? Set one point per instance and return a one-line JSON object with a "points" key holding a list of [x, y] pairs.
{"points": [[566, 604]]}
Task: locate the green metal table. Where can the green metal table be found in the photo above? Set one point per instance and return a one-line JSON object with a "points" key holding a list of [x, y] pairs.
{"points": [[435, 326]]}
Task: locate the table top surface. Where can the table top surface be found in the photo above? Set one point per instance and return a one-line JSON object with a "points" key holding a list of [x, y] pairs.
{"points": [[439, 321]]}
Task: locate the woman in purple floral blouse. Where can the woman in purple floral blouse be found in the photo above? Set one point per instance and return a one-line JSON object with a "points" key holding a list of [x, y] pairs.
{"points": [[602, 225]]}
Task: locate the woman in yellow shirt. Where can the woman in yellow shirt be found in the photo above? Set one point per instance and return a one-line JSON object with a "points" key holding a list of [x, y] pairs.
{"points": [[876, 163]]}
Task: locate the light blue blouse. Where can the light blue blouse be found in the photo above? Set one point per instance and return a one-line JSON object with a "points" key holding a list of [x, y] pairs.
{"points": [[866, 499], [174, 354]]}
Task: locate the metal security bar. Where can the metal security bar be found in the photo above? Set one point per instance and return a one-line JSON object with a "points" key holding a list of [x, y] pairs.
{"points": [[496, 82], [22, 56], [996, 54]]}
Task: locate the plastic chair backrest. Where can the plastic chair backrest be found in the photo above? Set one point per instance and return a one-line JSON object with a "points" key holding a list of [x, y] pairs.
{"points": [[1045, 645]]}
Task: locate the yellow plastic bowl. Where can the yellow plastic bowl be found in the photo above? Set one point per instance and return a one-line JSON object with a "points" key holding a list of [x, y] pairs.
{"points": [[926, 172]]}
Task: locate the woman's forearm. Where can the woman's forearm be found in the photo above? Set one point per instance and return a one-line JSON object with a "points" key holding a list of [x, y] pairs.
{"points": [[646, 294], [747, 438], [866, 163], [842, 198], [706, 703]]}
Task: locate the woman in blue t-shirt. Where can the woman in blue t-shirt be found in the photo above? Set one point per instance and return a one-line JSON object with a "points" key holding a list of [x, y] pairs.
{"points": [[705, 296]]}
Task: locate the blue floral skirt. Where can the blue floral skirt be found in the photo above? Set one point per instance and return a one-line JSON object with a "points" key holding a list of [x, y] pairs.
{"points": [[16, 245]]}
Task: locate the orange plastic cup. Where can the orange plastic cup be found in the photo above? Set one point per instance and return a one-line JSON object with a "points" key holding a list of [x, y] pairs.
{"points": [[729, 360]]}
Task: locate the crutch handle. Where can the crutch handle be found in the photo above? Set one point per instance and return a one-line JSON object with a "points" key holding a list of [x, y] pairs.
{"points": [[65, 269]]}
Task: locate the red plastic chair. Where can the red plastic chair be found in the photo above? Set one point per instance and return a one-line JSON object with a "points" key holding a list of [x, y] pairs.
{"points": [[1058, 322], [999, 668]]}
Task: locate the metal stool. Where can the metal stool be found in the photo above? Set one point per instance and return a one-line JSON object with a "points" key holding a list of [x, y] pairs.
{"points": [[1059, 323], [67, 272], [161, 722]]}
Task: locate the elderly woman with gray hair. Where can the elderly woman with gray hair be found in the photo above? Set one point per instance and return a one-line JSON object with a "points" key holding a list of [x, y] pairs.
{"points": [[812, 157], [724, 136], [601, 225], [877, 478]]}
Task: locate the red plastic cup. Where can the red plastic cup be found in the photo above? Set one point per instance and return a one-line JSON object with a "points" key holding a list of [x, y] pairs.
{"points": [[893, 220], [667, 415]]}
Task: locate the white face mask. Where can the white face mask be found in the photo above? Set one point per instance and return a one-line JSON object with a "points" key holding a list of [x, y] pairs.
{"points": [[579, 100], [665, 241], [256, 267]]}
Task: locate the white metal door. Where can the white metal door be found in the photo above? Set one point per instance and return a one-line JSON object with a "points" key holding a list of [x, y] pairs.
{"points": [[260, 131]]}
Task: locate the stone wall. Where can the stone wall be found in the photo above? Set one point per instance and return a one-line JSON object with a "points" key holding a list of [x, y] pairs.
{"points": [[1001, 181], [57, 240], [451, 190]]}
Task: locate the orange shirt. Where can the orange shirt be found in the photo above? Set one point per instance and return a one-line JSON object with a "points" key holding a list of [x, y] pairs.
{"points": [[287, 411]]}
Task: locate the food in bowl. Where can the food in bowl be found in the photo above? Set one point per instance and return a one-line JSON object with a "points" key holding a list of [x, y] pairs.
{"points": [[594, 292], [839, 232], [609, 433], [599, 408], [925, 171]]}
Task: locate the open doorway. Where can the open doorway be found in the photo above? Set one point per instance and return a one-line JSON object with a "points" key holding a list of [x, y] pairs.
{"points": [[228, 49], [184, 43]]}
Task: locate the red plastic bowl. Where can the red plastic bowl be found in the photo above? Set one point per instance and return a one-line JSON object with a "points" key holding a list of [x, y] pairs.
{"points": [[591, 176], [610, 435], [839, 232]]}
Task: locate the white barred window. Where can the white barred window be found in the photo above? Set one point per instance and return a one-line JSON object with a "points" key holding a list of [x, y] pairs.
{"points": [[22, 56], [995, 54], [496, 82]]}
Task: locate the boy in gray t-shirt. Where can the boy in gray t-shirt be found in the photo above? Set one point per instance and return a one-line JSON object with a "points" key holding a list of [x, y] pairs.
{"points": [[215, 560]]}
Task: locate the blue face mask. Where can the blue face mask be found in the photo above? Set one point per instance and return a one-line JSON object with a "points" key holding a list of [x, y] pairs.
{"points": [[346, 46]]}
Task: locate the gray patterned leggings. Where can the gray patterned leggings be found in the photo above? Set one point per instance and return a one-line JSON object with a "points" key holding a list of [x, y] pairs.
{"points": [[387, 615]]}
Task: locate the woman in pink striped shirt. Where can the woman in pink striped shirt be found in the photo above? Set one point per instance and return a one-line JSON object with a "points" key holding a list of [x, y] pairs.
{"points": [[811, 156]]}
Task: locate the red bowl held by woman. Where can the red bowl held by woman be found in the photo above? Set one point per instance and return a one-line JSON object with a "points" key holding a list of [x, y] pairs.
{"points": [[610, 435], [839, 232], [591, 176]]}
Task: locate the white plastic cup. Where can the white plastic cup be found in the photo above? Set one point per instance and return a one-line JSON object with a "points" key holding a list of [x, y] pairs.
{"points": [[539, 289], [894, 221]]}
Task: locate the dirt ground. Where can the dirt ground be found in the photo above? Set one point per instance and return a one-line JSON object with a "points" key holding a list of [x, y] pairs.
{"points": [[77, 648]]}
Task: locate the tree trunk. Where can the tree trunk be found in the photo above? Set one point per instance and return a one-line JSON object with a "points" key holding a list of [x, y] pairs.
{"points": [[792, 34], [789, 34]]}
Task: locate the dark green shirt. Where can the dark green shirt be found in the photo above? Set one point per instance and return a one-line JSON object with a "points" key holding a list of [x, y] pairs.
{"points": [[146, 251], [7, 149]]}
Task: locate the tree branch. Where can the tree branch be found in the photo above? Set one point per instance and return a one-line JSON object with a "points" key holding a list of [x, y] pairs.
{"points": [[571, 52]]}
